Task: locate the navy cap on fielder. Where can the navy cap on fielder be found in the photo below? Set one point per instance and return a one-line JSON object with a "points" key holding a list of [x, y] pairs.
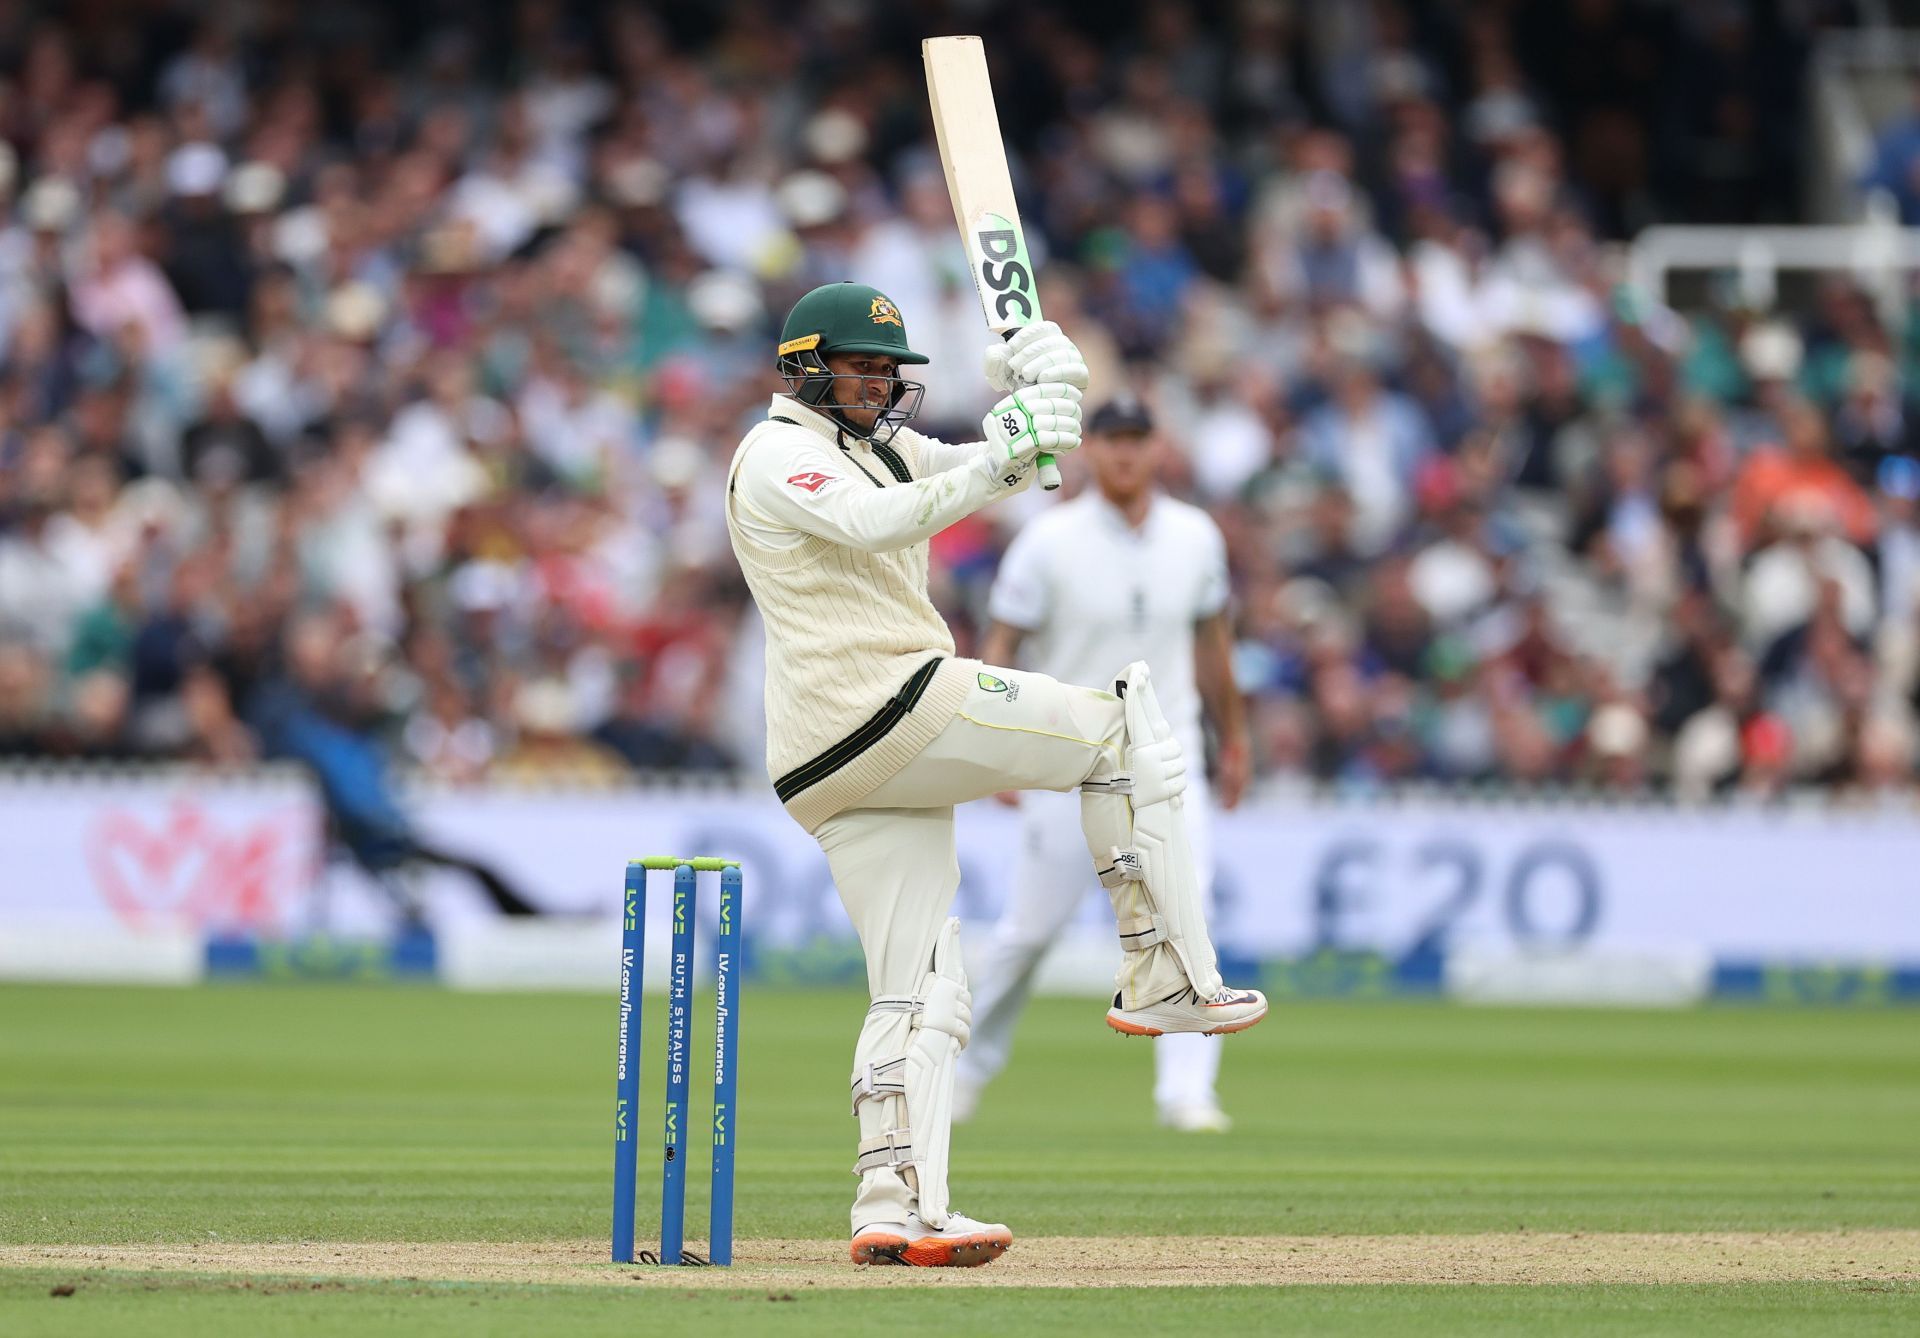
{"points": [[1122, 413]]}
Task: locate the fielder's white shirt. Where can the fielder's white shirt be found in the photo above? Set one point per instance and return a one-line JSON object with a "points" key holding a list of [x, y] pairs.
{"points": [[1093, 594]]}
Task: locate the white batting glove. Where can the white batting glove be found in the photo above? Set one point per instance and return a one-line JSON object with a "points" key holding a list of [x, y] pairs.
{"points": [[1033, 419], [1033, 354]]}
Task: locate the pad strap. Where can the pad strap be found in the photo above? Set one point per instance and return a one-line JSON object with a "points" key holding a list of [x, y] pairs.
{"points": [[894, 1148], [1120, 782], [1123, 866], [1142, 932], [887, 1077]]}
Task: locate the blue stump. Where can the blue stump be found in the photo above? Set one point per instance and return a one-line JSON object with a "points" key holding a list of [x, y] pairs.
{"points": [[626, 1071], [726, 1072], [673, 1175]]}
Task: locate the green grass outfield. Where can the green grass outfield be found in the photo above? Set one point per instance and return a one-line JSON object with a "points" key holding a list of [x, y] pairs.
{"points": [[218, 1117]]}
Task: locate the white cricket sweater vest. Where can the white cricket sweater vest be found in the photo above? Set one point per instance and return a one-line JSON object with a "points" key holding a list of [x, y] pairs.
{"points": [[852, 689]]}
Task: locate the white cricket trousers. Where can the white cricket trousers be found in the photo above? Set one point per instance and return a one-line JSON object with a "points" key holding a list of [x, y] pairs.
{"points": [[1053, 881], [894, 863]]}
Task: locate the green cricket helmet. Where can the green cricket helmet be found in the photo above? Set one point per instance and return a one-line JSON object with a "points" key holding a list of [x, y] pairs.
{"points": [[848, 318]]}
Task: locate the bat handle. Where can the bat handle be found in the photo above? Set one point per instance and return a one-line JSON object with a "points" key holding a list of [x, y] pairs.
{"points": [[1049, 471]]}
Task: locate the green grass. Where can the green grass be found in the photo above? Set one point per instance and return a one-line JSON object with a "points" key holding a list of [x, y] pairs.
{"points": [[362, 1113], [375, 1114], [105, 1303]]}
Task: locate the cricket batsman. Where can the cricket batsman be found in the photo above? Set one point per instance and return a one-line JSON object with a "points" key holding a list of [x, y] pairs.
{"points": [[1161, 597], [876, 730]]}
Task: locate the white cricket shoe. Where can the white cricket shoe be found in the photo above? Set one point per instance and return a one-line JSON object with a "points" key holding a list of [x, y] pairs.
{"points": [[1195, 1117], [1227, 1011], [962, 1243]]}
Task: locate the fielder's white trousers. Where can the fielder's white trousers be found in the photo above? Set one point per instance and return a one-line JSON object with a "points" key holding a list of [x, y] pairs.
{"points": [[1053, 882], [894, 863]]}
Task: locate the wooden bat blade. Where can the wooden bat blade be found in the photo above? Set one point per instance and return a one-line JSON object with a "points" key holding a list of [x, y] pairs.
{"points": [[967, 128]]}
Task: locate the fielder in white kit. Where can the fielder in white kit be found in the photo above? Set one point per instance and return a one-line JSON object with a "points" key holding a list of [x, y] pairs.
{"points": [[1162, 598], [876, 729]]}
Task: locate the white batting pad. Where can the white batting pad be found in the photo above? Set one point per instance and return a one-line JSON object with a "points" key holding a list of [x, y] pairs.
{"points": [[1136, 829], [942, 1020]]}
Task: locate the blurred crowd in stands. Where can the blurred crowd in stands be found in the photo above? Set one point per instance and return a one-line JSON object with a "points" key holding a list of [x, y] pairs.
{"points": [[374, 367]]}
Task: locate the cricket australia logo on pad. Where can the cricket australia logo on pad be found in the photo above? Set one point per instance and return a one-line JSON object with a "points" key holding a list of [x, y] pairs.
{"points": [[988, 683], [883, 312]]}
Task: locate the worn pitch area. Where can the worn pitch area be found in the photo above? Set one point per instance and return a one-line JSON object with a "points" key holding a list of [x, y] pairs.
{"points": [[1074, 1261]]}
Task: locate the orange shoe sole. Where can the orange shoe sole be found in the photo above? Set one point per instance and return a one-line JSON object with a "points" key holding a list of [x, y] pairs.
{"points": [[1127, 1028], [883, 1247]]}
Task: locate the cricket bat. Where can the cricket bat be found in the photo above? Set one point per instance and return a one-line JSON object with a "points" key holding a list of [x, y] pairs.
{"points": [[981, 189]]}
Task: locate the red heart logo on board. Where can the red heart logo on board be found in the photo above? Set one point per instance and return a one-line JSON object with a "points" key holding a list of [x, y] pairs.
{"points": [[184, 870], [151, 875]]}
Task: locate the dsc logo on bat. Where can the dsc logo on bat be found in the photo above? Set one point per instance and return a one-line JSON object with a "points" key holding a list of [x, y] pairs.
{"points": [[1004, 270]]}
